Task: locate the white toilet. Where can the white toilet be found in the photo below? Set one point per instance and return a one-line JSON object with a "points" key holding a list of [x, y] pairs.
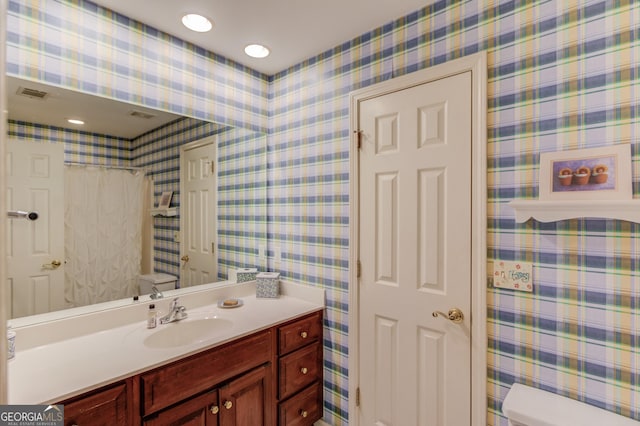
{"points": [[163, 282], [527, 406]]}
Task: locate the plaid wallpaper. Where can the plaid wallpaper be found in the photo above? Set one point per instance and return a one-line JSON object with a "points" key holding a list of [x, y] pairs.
{"points": [[241, 171], [79, 147], [78, 45], [562, 75]]}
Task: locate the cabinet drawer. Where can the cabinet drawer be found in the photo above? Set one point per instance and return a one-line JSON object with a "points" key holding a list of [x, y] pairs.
{"points": [[182, 379], [200, 410], [299, 333], [105, 407], [298, 370], [303, 409]]}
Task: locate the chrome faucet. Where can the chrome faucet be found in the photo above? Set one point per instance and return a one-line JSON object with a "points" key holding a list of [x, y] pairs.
{"points": [[176, 313], [156, 294]]}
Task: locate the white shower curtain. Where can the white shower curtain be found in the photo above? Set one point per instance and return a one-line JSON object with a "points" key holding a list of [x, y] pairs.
{"points": [[103, 227]]}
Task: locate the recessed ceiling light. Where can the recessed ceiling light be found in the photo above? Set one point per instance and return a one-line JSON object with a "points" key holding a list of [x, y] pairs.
{"points": [[197, 23], [256, 51], [75, 121]]}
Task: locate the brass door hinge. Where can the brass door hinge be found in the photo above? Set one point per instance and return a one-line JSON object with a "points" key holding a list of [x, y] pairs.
{"points": [[213, 167], [359, 137], [358, 269], [213, 248], [357, 397]]}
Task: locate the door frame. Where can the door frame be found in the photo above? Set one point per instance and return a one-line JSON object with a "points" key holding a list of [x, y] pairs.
{"points": [[209, 140], [477, 65]]}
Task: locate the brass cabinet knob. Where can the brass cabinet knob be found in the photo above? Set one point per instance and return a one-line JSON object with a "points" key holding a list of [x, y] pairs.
{"points": [[304, 413], [214, 409], [304, 370], [304, 334], [454, 315], [228, 405]]}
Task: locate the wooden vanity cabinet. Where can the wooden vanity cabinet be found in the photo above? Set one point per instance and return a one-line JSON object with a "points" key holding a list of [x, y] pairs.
{"points": [[108, 406], [235, 377], [269, 377], [300, 371], [187, 377], [241, 402]]}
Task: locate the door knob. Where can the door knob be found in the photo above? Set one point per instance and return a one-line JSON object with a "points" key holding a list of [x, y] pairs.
{"points": [[185, 258], [55, 264], [455, 315]]}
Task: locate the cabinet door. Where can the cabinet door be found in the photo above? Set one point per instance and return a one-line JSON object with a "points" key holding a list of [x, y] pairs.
{"points": [[103, 408], [199, 411], [247, 401]]}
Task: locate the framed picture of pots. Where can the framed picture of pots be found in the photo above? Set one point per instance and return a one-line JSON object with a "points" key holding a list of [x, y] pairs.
{"points": [[586, 174]]}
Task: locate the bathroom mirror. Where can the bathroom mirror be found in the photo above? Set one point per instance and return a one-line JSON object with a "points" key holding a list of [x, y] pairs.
{"points": [[117, 166]]}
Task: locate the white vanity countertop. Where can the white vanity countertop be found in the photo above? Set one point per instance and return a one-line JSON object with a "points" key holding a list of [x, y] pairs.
{"points": [[69, 366]]}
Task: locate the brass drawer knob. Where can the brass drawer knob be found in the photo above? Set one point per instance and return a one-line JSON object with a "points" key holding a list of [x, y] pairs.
{"points": [[304, 413], [214, 409], [228, 405], [304, 334], [304, 370]]}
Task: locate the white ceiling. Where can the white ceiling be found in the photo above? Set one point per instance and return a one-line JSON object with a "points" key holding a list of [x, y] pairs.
{"points": [[294, 30], [101, 115]]}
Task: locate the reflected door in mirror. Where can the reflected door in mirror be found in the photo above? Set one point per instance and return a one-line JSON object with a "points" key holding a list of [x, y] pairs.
{"points": [[198, 205], [35, 261]]}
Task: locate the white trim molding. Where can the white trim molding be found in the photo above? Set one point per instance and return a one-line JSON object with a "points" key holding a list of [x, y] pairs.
{"points": [[477, 65]]}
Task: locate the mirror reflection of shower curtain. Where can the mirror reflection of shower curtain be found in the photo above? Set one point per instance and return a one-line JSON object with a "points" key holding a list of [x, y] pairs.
{"points": [[103, 233]]}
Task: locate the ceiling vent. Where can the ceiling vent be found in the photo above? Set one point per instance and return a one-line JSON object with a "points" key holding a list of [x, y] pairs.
{"points": [[32, 93], [141, 114]]}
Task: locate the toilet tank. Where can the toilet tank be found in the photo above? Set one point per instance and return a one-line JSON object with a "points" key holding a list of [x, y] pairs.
{"points": [[162, 281], [527, 406]]}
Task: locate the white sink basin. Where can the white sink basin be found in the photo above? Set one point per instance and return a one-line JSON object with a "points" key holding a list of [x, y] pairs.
{"points": [[186, 332]]}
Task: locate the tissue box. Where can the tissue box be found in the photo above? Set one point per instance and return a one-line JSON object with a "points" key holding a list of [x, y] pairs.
{"points": [[246, 274], [268, 284]]}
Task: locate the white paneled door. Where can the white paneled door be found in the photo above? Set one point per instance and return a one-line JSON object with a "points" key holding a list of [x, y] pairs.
{"points": [[199, 258], [415, 252], [35, 249]]}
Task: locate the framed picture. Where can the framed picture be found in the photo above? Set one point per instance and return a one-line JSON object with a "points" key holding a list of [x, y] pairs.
{"points": [[586, 174], [165, 200]]}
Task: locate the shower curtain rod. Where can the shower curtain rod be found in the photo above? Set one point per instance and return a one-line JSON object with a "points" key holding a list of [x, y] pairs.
{"points": [[132, 169]]}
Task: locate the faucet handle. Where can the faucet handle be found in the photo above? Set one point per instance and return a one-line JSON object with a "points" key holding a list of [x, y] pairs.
{"points": [[174, 303], [155, 293]]}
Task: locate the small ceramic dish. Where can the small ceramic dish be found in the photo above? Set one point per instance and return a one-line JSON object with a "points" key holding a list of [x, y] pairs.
{"points": [[230, 303]]}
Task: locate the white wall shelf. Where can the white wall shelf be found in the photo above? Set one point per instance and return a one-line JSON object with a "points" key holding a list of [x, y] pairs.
{"points": [[165, 212], [551, 211]]}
